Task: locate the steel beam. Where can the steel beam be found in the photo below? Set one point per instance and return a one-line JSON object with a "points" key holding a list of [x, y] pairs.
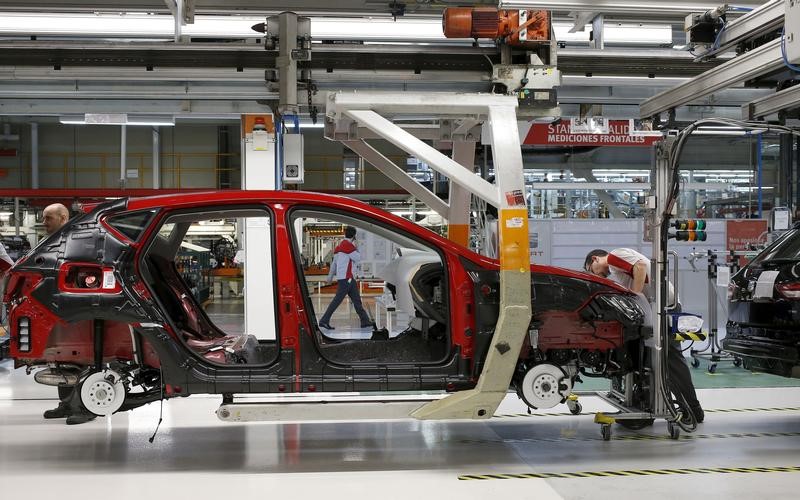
{"points": [[755, 63], [658, 8], [621, 186], [779, 101], [439, 103], [399, 176], [760, 20], [426, 153], [191, 108], [90, 193], [35, 155]]}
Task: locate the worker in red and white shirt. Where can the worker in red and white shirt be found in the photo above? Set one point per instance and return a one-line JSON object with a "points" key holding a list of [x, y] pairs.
{"points": [[627, 267], [631, 269]]}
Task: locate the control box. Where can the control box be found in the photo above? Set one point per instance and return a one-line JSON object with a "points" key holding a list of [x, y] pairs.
{"points": [[293, 171], [791, 34]]}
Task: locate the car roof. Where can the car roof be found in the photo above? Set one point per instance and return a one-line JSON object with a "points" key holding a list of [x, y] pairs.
{"points": [[228, 196]]}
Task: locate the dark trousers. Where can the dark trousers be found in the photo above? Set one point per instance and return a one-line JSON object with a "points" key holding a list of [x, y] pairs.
{"points": [[345, 288], [680, 378]]}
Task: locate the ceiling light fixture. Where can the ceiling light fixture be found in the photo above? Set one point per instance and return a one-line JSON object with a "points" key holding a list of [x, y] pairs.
{"points": [[117, 119]]}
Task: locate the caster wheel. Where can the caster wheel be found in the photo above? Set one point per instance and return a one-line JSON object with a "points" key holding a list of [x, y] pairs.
{"points": [[737, 362], [605, 430], [695, 362], [674, 431], [575, 408], [712, 368]]}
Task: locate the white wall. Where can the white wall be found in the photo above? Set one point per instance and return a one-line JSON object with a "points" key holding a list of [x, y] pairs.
{"points": [[565, 243]]}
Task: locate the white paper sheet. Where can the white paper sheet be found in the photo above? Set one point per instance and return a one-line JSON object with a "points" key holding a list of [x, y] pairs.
{"points": [[765, 285]]}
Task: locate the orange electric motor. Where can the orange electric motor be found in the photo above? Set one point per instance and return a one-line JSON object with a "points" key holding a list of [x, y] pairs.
{"points": [[487, 22]]}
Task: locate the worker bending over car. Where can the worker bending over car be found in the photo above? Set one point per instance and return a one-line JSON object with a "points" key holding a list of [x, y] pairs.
{"points": [[631, 269]]}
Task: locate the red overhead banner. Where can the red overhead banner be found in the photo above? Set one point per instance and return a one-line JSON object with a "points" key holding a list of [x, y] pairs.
{"points": [[564, 133]]}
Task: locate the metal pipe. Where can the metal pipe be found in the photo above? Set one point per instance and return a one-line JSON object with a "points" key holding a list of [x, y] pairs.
{"points": [[34, 155], [278, 154], [286, 64], [16, 216], [760, 173], [156, 158], [178, 19], [123, 153]]}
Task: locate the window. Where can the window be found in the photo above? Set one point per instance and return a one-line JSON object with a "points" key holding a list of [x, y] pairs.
{"points": [[380, 275], [132, 225], [198, 270]]}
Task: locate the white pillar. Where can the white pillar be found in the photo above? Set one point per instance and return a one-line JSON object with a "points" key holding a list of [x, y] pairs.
{"points": [[34, 155], [258, 172], [123, 154], [156, 158]]}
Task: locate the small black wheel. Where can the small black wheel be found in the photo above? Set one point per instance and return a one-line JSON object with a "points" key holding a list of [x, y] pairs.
{"points": [[695, 362], [636, 424], [674, 431], [737, 362], [605, 430], [575, 408], [712, 368]]}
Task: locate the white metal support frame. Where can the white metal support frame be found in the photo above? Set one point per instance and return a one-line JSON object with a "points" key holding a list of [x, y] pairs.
{"points": [[399, 176], [760, 20], [739, 69], [458, 222], [351, 110]]}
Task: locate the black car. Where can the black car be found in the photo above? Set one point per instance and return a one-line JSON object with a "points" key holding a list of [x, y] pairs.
{"points": [[764, 309]]}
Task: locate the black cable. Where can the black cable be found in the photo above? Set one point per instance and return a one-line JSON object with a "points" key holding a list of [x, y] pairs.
{"points": [[161, 406]]}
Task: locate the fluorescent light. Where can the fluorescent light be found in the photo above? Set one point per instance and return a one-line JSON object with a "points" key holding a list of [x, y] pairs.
{"points": [[378, 28], [117, 119]]}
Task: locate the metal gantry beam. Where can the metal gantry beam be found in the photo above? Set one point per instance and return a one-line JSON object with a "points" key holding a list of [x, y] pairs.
{"points": [[761, 20], [407, 142], [755, 63], [399, 176], [784, 100], [655, 7]]}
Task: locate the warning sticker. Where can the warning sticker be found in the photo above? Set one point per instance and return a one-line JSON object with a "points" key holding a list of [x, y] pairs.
{"points": [[109, 281], [515, 222], [515, 198]]}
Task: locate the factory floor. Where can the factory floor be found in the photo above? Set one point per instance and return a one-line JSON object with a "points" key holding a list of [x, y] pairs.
{"points": [[749, 447]]}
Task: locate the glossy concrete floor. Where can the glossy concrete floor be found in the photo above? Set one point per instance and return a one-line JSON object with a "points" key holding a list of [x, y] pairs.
{"points": [[196, 454]]}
